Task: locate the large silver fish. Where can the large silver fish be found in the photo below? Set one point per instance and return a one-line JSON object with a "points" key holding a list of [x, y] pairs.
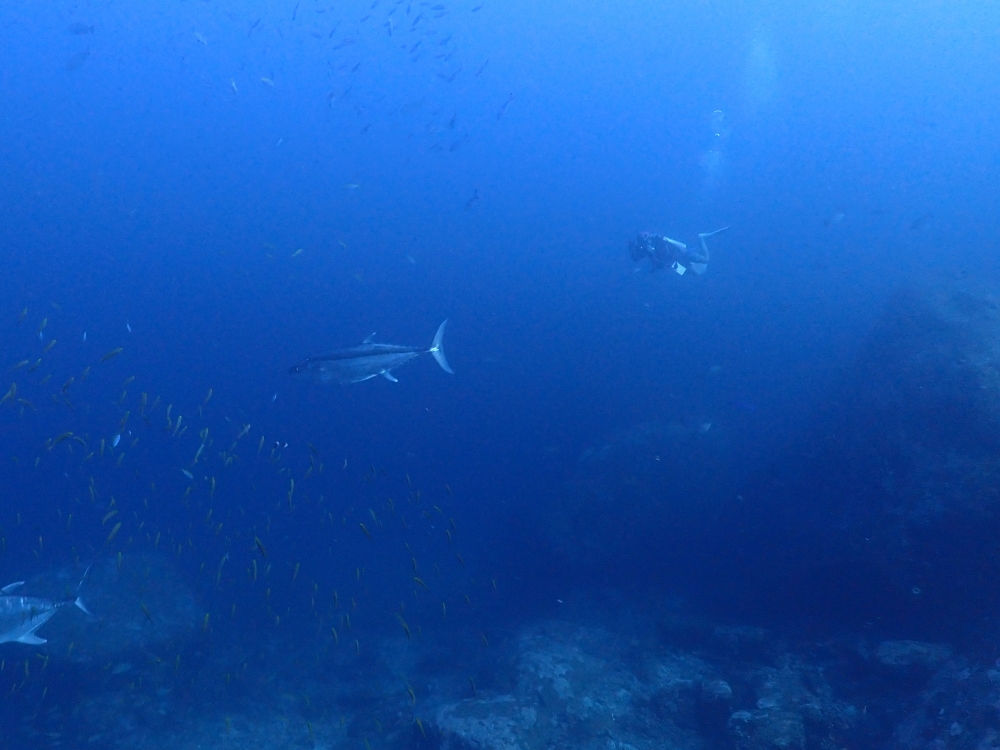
{"points": [[21, 616], [368, 359]]}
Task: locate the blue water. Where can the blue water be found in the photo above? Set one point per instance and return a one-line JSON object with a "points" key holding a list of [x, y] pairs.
{"points": [[224, 189]]}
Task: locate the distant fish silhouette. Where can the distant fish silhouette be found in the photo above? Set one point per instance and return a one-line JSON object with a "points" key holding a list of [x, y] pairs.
{"points": [[503, 109], [834, 219], [77, 60], [80, 28]]}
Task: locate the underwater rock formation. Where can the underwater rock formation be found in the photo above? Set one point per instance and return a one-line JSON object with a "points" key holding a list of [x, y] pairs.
{"points": [[582, 687], [910, 653], [887, 509], [672, 680], [957, 709]]}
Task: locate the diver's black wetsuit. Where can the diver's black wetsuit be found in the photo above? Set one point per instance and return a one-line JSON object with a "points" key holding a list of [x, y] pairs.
{"points": [[663, 252]]}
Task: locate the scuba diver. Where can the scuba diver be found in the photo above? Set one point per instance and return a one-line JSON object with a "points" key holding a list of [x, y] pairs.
{"points": [[663, 252]]}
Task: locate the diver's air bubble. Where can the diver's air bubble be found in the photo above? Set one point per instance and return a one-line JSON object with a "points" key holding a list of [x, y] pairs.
{"points": [[718, 123]]}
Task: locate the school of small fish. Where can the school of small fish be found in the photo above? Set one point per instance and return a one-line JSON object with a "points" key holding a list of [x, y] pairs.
{"points": [[132, 459], [342, 40], [120, 458]]}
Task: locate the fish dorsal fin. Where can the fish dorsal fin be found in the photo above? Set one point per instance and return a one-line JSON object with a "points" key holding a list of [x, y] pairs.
{"points": [[30, 639], [10, 587], [369, 339]]}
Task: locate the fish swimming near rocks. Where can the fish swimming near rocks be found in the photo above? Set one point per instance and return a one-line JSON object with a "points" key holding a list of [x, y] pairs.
{"points": [[21, 616], [368, 359]]}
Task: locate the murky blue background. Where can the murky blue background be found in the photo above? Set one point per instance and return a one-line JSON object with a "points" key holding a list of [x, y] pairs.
{"points": [[224, 188]]}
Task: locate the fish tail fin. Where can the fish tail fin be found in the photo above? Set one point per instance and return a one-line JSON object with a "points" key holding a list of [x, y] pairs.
{"points": [[78, 602], [437, 348]]}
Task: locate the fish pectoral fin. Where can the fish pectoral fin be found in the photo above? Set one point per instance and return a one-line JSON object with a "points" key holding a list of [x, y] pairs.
{"points": [[30, 639], [388, 376], [369, 339], [10, 587]]}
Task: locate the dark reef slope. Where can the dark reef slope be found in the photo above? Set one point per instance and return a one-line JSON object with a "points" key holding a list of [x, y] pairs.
{"points": [[887, 509]]}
